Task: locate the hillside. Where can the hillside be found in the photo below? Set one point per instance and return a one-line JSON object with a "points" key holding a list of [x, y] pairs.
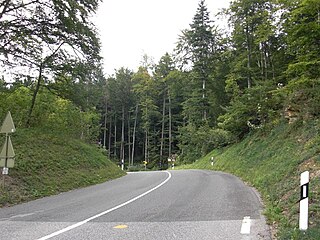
{"points": [[271, 161], [48, 163]]}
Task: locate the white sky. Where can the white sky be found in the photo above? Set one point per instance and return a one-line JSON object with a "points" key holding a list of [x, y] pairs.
{"points": [[131, 28]]}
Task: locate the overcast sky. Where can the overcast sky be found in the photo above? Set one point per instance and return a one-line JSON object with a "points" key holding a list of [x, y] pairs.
{"points": [[131, 28]]}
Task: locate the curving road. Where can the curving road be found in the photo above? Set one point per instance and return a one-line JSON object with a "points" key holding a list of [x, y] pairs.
{"points": [[190, 204]]}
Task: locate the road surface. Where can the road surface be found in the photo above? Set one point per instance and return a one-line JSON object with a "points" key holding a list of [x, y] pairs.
{"points": [[189, 204]]}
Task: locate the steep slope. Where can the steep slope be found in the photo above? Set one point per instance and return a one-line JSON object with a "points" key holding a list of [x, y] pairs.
{"points": [[271, 161], [49, 163]]}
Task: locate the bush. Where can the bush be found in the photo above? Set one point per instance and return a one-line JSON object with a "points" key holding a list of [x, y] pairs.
{"points": [[136, 168], [197, 142], [52, 113]]}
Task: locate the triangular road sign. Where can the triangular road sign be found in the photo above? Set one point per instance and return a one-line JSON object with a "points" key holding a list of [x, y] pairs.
{"points": [[7, 153], [10, 163], [7, 150], [8, 125]]}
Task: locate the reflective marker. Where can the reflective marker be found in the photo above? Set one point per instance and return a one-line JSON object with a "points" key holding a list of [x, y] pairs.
{"points": [[303, 217]]}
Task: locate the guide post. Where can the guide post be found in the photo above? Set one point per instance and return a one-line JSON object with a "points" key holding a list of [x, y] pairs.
{"points": [[303, 216]]}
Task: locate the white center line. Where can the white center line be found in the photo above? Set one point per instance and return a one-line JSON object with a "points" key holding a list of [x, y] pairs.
{"points": [[246, 224], [105, 212]]}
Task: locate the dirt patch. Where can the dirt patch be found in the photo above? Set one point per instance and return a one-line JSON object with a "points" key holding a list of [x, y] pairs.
{"points": [[312, 166]]}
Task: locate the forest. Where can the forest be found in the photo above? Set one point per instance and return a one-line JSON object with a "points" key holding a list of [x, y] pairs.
{"points": [[214, 89]]}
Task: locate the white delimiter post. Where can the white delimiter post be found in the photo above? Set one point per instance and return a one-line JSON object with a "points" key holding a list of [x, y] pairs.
{"points": [[304, 184]]}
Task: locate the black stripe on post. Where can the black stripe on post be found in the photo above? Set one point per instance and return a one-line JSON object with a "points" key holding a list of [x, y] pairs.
{"points": [[304, 193]]}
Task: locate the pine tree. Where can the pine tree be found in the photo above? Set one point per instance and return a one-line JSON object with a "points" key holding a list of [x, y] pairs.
{"points": [[197, 48]]}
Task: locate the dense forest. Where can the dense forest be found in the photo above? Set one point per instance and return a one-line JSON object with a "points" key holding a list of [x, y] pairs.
{"points": [[214, 89]]}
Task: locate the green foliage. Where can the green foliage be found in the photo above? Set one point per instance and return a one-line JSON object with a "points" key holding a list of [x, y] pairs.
{"points": [[52, 113], [303, 29], [251, 110], [197, 142], [17, 103], [136, 168], [296, 234], [198, 47], [248, 80], [39, 27]]}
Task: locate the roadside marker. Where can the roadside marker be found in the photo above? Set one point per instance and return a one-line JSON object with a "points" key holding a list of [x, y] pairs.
{"points": [[122, 164], [304, 185]]}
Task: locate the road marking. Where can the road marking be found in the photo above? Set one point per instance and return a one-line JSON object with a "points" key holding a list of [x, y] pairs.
{"points": [[120, 227], [22, 215], [246, 224], [105, 212]]}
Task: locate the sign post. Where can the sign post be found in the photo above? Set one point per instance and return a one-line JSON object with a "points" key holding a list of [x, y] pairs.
{"points": [[7, 153], [122, 164], [212, 161], [304, 185], [145, 165]]}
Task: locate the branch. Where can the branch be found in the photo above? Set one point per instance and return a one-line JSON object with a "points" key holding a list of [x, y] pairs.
{"points": [[6, 10], [5, 6], [46, 59]]}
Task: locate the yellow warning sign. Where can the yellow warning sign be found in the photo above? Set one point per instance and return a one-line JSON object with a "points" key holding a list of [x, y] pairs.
{"points": [[8, 125]]}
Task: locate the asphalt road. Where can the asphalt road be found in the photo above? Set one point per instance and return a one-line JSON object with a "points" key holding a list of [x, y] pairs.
{"points": [[191, 204]]}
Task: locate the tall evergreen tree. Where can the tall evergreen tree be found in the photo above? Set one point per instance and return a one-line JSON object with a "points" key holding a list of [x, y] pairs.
{"points": [[302, 33], [162, 70], [196, 48]]}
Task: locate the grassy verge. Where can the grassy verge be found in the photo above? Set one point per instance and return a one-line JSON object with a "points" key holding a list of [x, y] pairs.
{"points": [[272, 161], [49, 163]]}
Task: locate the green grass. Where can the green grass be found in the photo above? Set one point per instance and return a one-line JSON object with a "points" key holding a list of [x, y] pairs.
{"points": [[48, 163], [272, 161]]}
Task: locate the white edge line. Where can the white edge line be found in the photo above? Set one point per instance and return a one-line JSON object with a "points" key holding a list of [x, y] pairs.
{"points": [[105, 212]]}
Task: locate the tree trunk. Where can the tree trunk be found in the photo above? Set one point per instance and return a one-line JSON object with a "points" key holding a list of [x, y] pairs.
{"points": [[115, 137], [248, 56], [162, 128], [5, 5], [36, 91], [134, 133], [109, 142], [105, 127], [129, 138], [265, 59], [146, 146], [170, 126], [122, 136], [34, 96], [203, 97], [272, 67]]}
